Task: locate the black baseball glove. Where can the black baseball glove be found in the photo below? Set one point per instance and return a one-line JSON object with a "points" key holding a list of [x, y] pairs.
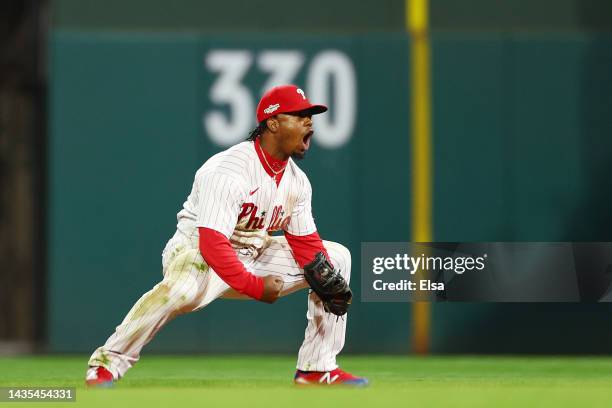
{"points": [[329, 285]]}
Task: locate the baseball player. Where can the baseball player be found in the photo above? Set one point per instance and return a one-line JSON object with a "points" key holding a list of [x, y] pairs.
{"points": [[223, 248]]}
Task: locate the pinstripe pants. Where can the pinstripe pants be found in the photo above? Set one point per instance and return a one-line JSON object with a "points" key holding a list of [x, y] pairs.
{"points": [[189, 285]]}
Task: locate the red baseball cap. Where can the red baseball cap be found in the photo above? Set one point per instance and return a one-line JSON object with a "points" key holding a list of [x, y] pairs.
{"points": [[285, 99]]}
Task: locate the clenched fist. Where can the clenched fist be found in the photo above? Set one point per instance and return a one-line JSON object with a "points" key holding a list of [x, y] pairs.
{"points": [[272, 288]]}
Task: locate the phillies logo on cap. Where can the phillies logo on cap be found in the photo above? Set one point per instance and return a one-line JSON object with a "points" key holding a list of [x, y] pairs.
{"points": [[285, 99]]}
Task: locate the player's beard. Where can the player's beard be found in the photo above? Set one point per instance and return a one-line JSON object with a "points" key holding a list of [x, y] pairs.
{"points": [[298, 156]]}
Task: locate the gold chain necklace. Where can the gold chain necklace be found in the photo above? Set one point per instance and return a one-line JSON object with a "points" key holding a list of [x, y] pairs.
{"points": [[276, 173]]}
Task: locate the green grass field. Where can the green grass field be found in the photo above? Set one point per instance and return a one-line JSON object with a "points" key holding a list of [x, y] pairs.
{"points": [[262, 381]]}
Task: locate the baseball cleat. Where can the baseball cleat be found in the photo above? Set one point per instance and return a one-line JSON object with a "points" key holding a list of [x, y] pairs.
{"points": [[99, 377], [334, 377]]}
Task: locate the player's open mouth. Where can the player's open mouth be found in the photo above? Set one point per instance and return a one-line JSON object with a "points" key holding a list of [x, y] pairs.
{"points": [[306, 139]]}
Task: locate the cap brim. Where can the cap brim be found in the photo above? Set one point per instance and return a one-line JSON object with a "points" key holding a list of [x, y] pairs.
{"points": [[316, 109], [312, 109]]}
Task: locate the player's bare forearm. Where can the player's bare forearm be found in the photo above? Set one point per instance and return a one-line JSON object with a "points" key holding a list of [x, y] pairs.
{"points": [[235, 295]]}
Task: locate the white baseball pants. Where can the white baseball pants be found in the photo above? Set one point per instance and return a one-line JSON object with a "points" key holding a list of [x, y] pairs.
{"points": [[189, 285]]}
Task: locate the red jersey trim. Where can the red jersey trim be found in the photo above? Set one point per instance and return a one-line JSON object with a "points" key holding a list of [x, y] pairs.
{"points": [[275, 165]]}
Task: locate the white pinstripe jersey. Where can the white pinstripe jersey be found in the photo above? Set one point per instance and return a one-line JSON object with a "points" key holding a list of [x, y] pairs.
{"points": [[233, 194]]}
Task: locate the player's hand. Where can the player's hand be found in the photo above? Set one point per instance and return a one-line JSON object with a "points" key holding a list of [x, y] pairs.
{"points": [[272, 288]]}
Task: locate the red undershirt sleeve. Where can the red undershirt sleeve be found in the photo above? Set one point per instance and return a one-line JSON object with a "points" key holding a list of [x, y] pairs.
{"points": [[221, 257], [305, 247]]}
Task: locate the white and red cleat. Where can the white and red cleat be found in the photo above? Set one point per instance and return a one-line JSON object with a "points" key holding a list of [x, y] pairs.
{"points": [[334, 377], [99, 377]]}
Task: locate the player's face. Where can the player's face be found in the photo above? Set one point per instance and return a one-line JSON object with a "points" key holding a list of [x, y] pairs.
{"points": [[296, 133]]}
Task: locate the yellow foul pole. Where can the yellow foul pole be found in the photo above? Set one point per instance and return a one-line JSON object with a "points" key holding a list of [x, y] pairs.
{"points": [[417, 25]]}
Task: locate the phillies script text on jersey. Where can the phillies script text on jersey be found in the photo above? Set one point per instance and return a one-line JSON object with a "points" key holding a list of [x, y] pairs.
{"points": [[277, 222]]}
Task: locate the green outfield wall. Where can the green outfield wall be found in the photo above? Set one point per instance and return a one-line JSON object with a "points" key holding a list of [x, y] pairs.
{"points": [[134, 116], [521, 153]]}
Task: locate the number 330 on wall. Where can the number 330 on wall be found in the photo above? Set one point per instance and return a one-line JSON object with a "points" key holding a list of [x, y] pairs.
{"points": [[330, 77]]}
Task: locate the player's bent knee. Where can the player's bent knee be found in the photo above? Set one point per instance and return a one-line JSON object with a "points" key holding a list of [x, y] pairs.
{"points": [[340, 257], [184, 263], [180, 295]]}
